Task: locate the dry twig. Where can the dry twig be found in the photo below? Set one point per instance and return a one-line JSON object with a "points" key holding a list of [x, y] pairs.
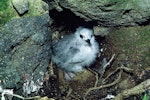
{"points": [[111, 84], [135, 90], [96, 76], [104, 86], [51, 69], [69, 92], [119, 68]]}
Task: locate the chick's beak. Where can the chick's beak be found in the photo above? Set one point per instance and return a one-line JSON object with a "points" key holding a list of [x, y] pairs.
{"points": [[88, 41]]}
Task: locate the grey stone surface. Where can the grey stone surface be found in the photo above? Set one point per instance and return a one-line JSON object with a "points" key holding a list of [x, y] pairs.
{"points": [[21, 6], [102, 31], [108, 12], [24, 51]]}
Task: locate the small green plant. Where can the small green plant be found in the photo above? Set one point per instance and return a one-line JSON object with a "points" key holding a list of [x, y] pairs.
{"points": [[145, 97]]}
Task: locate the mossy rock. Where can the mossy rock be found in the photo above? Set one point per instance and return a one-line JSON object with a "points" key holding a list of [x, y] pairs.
{"points": [[132, 46]]}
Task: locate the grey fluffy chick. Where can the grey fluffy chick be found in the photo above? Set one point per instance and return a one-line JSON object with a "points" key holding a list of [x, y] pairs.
{"points": [[75, 51]]}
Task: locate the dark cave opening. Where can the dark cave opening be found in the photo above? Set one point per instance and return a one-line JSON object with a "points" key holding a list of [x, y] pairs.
{"points": [[69, 20]]}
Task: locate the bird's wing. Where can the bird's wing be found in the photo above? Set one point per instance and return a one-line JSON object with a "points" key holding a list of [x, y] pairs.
{"points": [[65, 50], [72, 51], [75, 55]]}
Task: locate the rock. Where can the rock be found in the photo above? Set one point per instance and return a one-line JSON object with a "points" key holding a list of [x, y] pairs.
{"points": [[25, 53], [108, 12], [37, 7], [102, 31], [126, 84], [21, 6]]}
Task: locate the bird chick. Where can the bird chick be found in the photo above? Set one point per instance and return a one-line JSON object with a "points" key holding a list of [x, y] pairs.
{"points": [[75, 51]]}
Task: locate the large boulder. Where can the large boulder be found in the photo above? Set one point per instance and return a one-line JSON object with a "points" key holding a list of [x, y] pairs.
{"points": [[107, 12], [25, 53]]}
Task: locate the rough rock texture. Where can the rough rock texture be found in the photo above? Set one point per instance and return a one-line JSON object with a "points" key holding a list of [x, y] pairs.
{"points": [[102, 31], [24, 52], [37, 7], [108, 12], [21, 6]]}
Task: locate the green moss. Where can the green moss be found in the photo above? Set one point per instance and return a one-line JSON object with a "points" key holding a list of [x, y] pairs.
{"points": [[146, 58], [134, 42], [3, 4], [6, 12]]}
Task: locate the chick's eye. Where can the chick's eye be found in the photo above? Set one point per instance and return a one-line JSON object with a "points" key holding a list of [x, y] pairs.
{"points": [[91, 35], [81, 36]]}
